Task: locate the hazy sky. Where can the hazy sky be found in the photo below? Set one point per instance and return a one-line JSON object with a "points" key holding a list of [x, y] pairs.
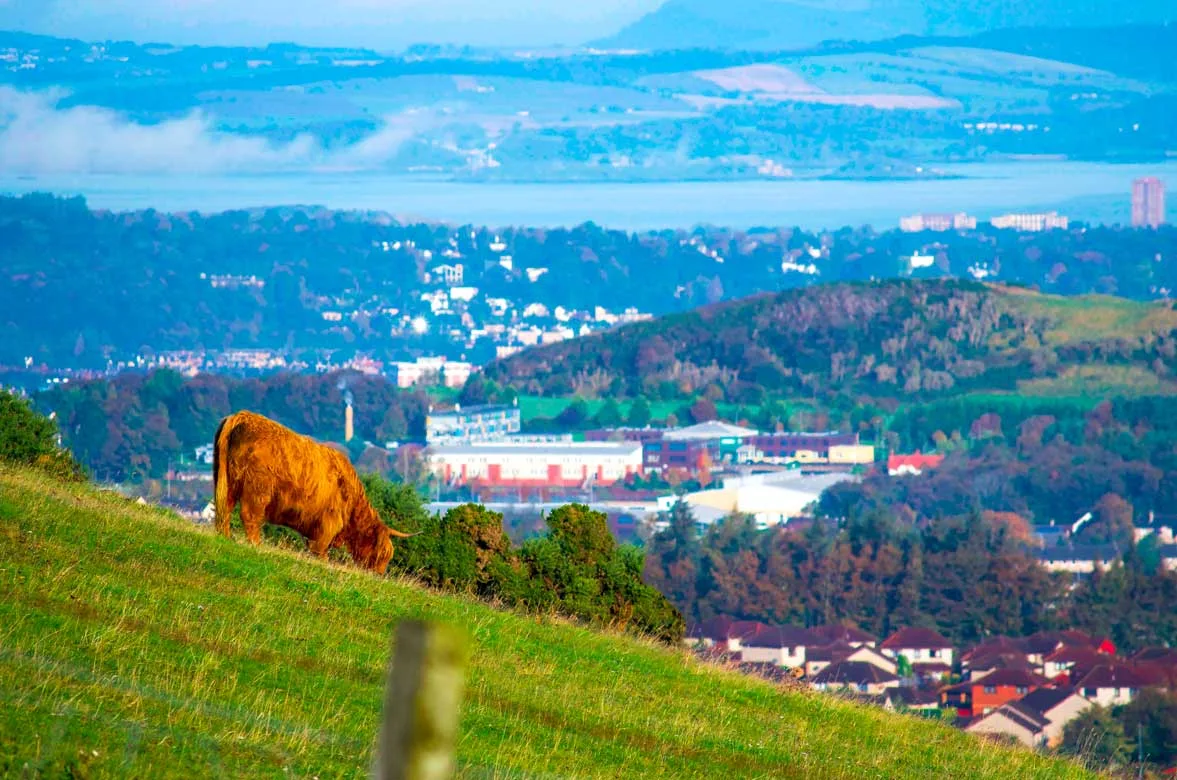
{"points": [[373, 23]]}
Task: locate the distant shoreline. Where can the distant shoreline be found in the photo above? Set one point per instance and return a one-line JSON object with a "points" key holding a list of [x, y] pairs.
{"points": [[1087, 192]]}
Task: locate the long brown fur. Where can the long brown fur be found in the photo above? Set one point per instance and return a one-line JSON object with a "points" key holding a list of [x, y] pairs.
{"points": [[281, 477]]}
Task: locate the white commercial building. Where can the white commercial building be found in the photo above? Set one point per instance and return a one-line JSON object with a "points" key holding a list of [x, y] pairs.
{"points": [[524, 464]]}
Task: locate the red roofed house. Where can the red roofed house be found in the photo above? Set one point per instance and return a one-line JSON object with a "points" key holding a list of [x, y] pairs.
{"points": [[832, 632], [780, 645], [1110, 685], [724, 633], [898, 465], [985, 694], [1072, 662], [854, 676], [919, 646]]}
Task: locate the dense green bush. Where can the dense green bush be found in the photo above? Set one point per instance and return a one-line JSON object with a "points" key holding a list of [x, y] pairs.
{"points": [[30, 439], [576, 570]]}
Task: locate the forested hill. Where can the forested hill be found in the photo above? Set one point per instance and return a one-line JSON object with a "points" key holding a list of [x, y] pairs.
{"points": [[878, 341]]}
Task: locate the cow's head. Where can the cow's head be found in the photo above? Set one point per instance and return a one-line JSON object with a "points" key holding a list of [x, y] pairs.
{"points": [[371, 546]]}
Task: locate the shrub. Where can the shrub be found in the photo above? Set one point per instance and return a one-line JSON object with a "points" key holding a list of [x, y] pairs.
{"points": [[30, 439], [576, 570]]}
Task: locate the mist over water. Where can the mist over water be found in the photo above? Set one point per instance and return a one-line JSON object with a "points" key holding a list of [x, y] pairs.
{"points": [[38, 136]]}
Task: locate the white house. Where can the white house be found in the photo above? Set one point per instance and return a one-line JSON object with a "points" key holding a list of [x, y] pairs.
{"points": [[918, 646]]}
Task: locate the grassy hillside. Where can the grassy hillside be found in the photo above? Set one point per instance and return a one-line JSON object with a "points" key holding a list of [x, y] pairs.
{"points": [[134, 644], [899, 340]]}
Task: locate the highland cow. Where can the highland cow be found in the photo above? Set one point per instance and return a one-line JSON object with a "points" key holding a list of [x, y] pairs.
{"points": [[281, 477]]}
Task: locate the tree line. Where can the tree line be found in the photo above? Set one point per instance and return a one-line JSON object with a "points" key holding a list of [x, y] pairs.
{"points": [[135, 425], [969, 577]]}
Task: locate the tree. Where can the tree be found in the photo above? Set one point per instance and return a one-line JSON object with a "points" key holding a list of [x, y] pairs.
{"points": [[704, 410], [1153, 715], [25, 436], [609, 415], [574, 415], [30, 439], [394, 426], [639, 413], [1113, 521], [1096, 738]]}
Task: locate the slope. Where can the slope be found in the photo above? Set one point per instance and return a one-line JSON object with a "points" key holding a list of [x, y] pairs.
{"points": [[880, 341], [134, 644], [789, 24]]}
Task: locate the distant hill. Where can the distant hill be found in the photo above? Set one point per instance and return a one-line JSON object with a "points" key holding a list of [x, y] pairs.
{"points": [[880, 341], [137, 644], [789, 24]]}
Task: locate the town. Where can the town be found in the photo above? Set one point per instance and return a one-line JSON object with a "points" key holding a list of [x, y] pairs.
{"points": [[1023, 689]]}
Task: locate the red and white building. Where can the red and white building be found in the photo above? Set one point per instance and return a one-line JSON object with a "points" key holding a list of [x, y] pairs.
{"points": [[901, 465], [527, 464]]}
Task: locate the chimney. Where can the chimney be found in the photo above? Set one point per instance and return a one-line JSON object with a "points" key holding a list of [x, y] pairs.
{"points": [[349, 428]]}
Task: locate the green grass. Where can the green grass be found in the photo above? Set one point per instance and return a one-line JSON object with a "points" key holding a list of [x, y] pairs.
{"points": [[1090, 317], [133, 644], [532, 407]]}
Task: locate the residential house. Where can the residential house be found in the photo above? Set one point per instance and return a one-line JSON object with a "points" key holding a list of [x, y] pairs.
{"points": [[1071, 661], [1112, 684], [854, 676], [982, 695], [1035, 720], [919, 646], [724, 632], [1043, 643], [979, 666], [780, 645], [818, 658], [832, 632]]}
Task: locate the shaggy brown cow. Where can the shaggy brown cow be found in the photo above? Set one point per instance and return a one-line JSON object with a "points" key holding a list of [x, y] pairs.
{"points": [[287, 479]]}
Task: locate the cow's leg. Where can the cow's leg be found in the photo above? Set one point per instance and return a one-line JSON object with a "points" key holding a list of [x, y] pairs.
{"points": [[325, 534], [253, 511]]}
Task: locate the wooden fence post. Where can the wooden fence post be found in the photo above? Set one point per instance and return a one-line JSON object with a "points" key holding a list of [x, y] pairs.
{"points": [[421, 703]]}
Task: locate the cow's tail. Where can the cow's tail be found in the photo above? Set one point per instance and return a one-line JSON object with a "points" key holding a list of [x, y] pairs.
{"points": [[221, 473]]}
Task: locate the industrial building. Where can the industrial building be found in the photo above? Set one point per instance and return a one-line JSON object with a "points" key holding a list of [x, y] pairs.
{"points": [[472, 424], [524, 464], [769, 499], [829, 447], [716, 443]]}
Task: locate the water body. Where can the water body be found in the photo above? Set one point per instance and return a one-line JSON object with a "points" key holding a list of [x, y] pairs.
{"points": [[1092, 192]]}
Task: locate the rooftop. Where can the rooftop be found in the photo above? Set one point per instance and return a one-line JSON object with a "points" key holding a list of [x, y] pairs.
{"points": [[1005, 677], [1044, 700], [1029, 719], [915, 639], [550, 449], [853, 673], [835, 633], [780, 636], [709, 430], [1113, 676]]}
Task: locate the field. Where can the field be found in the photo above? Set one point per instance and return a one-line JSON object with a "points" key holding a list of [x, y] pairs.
{"points": [[134, 644], [533, 406]]}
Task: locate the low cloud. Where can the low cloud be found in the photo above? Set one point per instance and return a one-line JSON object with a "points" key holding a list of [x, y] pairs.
{"points": [[38, 136]]}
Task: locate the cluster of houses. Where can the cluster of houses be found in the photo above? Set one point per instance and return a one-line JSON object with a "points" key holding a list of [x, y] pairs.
{"points": [[1026, 689]]}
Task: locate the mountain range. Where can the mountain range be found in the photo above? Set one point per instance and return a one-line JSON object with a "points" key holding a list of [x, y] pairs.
{"points": [[793, 24]]}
